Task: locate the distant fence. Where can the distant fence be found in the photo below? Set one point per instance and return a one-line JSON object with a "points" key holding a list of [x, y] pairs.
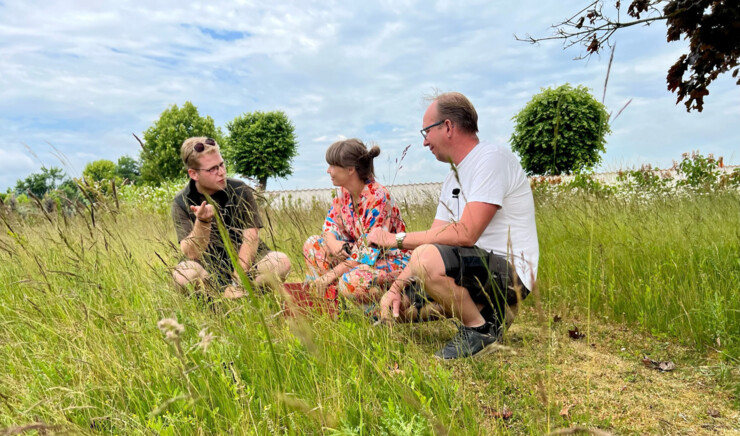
{"points": [[415, 193]]}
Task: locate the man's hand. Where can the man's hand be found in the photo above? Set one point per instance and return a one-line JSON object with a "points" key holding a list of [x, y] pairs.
{"points": [[390, 305], [204, 212], [381, 238]]}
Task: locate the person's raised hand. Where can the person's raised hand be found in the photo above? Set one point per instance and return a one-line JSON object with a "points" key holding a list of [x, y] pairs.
{"points": [[204, 212], [381, 238]]}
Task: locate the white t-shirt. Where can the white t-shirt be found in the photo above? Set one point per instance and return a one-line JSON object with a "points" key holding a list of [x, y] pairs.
{"points": [[492, 174]]}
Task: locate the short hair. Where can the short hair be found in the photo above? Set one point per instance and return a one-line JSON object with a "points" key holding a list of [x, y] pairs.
{"points": [[352, 153], [188, 154], [457, 108]]}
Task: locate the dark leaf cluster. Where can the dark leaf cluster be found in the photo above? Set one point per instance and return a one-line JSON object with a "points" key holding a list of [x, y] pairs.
{"points": [[712, 28]]}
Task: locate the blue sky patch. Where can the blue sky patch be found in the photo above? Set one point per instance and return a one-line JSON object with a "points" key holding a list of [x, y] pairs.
{"points": [[222, 34]]}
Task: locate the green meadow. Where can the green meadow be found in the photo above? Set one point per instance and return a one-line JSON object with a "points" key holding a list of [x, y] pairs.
{"points": [[643, 270]]}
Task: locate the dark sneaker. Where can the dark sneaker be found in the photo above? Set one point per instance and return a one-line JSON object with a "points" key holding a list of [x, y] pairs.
{"points": [[469, 341]]}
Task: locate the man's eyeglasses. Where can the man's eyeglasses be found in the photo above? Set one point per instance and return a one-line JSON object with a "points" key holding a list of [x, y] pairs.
{"points": [[425, 130], [214, 169]]}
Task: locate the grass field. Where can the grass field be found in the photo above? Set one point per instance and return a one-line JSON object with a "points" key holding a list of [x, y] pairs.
{"points": [[81, 351]]}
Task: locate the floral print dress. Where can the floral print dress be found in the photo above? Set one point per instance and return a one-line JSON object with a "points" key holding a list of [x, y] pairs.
{"points": [[351, 224]]}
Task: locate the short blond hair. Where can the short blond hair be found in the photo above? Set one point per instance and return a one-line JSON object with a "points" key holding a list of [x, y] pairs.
{"points": [[190, 156]]}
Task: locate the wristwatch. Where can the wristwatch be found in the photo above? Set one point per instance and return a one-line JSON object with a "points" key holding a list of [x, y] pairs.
{"points": [[399, 239]]}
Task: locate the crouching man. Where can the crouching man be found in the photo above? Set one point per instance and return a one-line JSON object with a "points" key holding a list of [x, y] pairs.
{"points": [[208, 262], [480, 255]]}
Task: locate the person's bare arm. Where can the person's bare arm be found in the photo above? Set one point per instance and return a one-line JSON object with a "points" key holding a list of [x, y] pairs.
{"points": [[248, 249], [196, 242], [464, 233]]}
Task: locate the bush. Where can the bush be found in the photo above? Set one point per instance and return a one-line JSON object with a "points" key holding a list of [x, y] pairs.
{"points": [[560, 131]]}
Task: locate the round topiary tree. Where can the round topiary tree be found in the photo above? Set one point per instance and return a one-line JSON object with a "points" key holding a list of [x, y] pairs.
{"points": [[560, 131], [261, 145]]}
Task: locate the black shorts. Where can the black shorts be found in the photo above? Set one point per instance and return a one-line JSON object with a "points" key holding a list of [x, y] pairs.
{"points": [[489, 278]]}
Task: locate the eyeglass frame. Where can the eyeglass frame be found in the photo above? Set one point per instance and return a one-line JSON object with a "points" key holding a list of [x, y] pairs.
{"points": [[425, 131], [212, 170], [200, 147]]}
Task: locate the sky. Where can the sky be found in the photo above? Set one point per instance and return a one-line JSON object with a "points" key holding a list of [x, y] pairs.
{"points": [[79, 77]]}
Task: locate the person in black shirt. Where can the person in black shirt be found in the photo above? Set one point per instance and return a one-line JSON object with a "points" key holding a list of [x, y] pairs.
{"points": [[199, 239]]}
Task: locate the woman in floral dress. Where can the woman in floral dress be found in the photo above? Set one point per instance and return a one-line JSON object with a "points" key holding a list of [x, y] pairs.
{"points": [[341, 255]]}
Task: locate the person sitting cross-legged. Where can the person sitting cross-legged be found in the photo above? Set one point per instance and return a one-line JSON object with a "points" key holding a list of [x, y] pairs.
{"points": [[341, 255]]}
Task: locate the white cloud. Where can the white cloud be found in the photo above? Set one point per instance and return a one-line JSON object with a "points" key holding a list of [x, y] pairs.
{"points": [[84, 75]]}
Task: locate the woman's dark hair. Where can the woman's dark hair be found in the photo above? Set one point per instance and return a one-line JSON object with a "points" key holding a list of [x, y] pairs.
{"points": [[352, 153]]}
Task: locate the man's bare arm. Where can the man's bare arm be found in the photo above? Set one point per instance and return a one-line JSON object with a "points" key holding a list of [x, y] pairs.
{"points": [[195, 244], [464, 233], [248, 249]]}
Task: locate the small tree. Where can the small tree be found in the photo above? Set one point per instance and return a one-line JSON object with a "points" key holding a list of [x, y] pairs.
{"points": [[99, 170], [261, 145], [129, 169], [560, 131], [160, 158], [40, 183]]}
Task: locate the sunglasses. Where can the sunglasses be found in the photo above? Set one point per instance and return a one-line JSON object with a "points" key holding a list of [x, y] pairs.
{"points": [[199, 147]]}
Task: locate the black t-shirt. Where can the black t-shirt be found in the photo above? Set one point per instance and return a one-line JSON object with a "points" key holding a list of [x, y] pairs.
{"points": [[238, 210]]}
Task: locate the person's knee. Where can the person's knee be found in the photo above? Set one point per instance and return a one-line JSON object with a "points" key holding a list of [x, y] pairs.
{"points": [[426, 262], [282, 264], [311, 245], [275, 262], [188, 272]]}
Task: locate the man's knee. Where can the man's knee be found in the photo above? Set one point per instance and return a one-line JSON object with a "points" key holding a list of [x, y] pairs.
{"points": [[188, 272], [426, 262], [275, 262]]}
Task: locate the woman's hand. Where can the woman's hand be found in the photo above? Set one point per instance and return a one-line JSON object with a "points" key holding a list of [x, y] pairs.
{"points": [[323, 282], [390, 305], [336, 248]]}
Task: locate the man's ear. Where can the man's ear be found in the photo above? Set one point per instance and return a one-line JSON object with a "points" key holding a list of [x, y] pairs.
{"points": [[192, 174]]}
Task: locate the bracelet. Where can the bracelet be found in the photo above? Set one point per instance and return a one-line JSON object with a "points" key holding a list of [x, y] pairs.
{"points": [[204, 221]]}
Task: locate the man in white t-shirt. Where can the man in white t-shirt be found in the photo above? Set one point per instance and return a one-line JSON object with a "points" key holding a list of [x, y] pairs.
{"points": [[481, 252]]}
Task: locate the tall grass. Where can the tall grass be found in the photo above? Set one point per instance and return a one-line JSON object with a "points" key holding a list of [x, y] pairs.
{"points": [[670, 264], [80, 301], [79, 308]]}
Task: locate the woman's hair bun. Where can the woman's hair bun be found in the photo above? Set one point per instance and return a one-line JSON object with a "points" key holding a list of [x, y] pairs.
{"points": [[373, 152]]}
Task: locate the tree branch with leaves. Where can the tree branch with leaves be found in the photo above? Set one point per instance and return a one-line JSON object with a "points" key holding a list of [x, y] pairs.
{"points": [[712, 28]]}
